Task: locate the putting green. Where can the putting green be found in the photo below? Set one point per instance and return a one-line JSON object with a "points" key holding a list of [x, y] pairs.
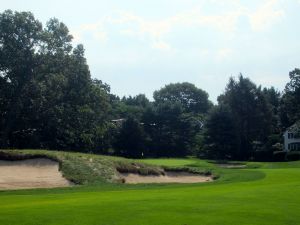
{"points": [[267, 195]]}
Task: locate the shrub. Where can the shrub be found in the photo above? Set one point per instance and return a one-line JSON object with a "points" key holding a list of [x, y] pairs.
{"points": [[262, 155], [279, 156], [293, 156]]}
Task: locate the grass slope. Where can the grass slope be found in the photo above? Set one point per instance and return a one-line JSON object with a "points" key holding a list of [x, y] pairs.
{"points": [[267, 194]]}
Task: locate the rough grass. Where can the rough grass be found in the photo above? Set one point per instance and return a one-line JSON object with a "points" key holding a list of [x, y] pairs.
{"points": [[262, 194]]}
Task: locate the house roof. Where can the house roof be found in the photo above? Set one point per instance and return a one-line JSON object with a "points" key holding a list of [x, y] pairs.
{"points": [[295, 128]]}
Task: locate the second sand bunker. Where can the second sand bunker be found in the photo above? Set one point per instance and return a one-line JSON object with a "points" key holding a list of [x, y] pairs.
{"points": [[169, 177]]}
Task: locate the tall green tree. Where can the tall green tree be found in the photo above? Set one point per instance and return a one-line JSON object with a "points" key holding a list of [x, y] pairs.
{"points": [[133, 106], [175, 119], [131, 140], [273, 98], [191, 98], [221, 139], [20, 36], [163, 124], [290, 103], [251, 111], [49, 98]]}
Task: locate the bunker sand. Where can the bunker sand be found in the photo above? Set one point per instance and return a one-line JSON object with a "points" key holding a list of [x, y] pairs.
{"points": [[169, 177], [232, 166], [31, 173]]}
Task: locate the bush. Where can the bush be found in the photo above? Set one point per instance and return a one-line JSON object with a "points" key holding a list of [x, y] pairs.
{"points": [[293, 156], [279, 156], [263, 156]]}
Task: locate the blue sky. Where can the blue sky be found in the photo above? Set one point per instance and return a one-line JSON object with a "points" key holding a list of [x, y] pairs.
{"points": [[139, 46]]}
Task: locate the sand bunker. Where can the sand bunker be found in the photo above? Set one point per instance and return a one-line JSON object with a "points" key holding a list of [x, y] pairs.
{"points": [[232, 166], [169, 177], [31, 173]]}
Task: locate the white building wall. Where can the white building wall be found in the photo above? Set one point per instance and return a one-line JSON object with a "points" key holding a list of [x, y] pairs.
{"points": [[288, 141]]}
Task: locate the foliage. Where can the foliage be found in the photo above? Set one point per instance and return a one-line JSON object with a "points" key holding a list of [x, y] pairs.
{"points": [[191, 98], [293, 156], [252, 114], [49, 98], [130, 142], [279, 156], [273, 98], [175, 120], [290, 102], [221, 138]]}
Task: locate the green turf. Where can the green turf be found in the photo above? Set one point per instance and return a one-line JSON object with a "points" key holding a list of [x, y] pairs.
{"points": [[170, 162], [269, 194]]}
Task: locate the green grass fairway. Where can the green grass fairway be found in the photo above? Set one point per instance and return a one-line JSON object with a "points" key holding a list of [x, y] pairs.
{"points": [[268, 194], [171, 162]]}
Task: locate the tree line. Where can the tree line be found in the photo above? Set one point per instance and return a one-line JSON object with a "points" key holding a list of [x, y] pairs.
{"points": [[49, 100]]}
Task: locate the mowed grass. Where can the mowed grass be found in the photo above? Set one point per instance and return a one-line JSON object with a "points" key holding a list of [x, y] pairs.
{"points": [[171, 162], [267, 195]]}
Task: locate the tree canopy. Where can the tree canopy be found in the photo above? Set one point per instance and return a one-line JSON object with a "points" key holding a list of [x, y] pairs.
{"points": [[49, 98], [191, 98]]}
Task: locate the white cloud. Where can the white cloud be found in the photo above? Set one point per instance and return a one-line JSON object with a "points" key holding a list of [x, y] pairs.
{"points": [[100, 35], [96, 29], [128, 32], [224, 53], [161, 45], [204, 53], [155, 31], [265, 15]]}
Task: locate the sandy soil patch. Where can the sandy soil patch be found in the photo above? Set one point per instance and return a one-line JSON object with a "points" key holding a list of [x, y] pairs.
{"points": [[169, 177], [31, 173], [232, 166]]}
